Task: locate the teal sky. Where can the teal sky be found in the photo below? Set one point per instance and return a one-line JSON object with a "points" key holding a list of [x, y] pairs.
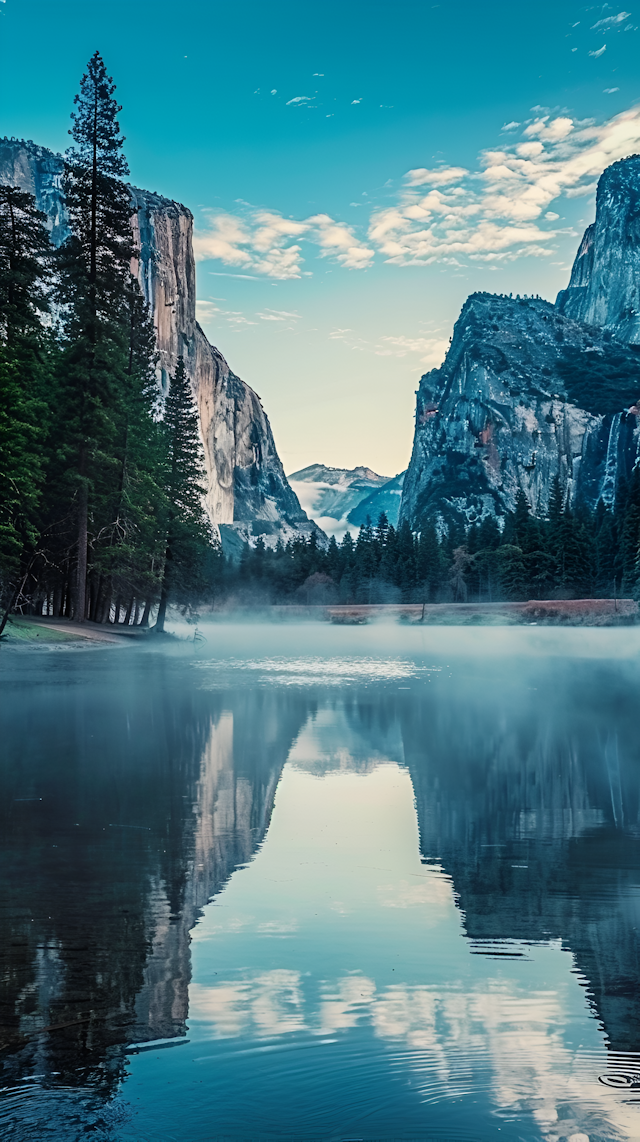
{"points": [[330, 276]]}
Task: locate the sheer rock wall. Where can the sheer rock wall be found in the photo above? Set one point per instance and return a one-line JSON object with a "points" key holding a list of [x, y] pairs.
{"points": [[248, 493], [495, 416], [604, 288]]}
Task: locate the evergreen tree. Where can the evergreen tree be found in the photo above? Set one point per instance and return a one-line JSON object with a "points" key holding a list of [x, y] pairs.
{"points": [[94, 265], [25, 361], [187, 530], [630, 534], [607, 570], [489, 535], [520, 528], [128, 551]]}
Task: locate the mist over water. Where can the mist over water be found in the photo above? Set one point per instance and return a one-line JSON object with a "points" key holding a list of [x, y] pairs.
{"points": [[305, 881]]}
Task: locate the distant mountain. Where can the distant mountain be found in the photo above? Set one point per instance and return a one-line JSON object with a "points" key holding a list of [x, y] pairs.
{"points": [[333, 497]]}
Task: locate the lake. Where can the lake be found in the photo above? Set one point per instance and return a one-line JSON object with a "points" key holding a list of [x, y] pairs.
{"points": [[323, 883]]}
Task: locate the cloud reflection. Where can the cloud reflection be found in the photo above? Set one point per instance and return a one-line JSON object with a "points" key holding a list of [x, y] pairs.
{"points": [[449, 1041]]}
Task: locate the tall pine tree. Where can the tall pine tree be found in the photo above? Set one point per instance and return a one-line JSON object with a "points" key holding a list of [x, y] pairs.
{"points": [[94, 264], [25, 361], [187, 529]]}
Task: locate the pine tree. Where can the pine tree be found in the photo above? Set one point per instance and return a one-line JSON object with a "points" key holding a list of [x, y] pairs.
{"points": [[520, 527], [25, 352], [429, 563], [128, 552], [94, 264], [25, 266], [630, 534], [187, 530], [607, 569], [488, 534]]}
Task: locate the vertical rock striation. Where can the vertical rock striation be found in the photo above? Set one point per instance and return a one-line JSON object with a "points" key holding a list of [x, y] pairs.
{"points": [[496, 417], [529, 391], [604, 288], [248, 494]]}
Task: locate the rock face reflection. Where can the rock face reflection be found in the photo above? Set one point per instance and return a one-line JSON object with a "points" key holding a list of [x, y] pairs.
{"points": [[529, 799], [127, 800]]}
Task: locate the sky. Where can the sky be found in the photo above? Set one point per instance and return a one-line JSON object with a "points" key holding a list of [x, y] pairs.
{"points": [[355, 170]]}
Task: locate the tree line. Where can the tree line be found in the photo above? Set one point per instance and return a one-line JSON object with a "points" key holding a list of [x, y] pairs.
{"points": [[567, 554], [101, 479]]}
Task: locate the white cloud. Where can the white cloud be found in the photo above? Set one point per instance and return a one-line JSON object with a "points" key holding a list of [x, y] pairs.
{"points": [[431, 350], [224, 241], [610, 90], [355, 101], [610, 21], [494, 213], [441, 177], [512, 126], [299, 99], [208, 311], [599, 51], [277, 315], [269, 244], [550, 130]]}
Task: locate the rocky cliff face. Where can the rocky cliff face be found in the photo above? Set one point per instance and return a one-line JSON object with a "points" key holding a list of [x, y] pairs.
{"points": [[496, 417], [529, 391], [248, 493], [604, 288]]}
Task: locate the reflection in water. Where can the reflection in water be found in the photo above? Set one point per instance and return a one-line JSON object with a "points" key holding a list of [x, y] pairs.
{"points": [[127, 798], [376, 971]]}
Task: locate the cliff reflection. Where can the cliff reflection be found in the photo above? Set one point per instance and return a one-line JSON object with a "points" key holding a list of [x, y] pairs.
{"points": [[527, 793], [127, 798]]}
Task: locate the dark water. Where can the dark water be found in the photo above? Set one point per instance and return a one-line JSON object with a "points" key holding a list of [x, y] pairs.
{"points": [[319, 883]]}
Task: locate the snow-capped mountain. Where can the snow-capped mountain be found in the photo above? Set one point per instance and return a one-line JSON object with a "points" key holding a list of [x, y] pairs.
{"points": [[335, 497]]}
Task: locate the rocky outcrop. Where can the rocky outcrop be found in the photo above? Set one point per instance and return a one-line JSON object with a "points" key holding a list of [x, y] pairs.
{"points": [[38, 171], [604, 288], [497, 417], [529, 391], [248, 493]]}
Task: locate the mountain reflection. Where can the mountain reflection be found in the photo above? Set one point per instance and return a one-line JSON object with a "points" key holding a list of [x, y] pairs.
{"points": [[530, 800], [131, 791], [127, 797]]}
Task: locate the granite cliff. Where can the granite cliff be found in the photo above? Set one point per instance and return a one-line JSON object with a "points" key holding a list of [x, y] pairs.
{"points": [[248, 494], [604, 288], [529, 391]]}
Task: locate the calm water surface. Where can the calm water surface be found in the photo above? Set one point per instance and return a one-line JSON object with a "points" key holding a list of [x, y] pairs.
{"points": [[323, 883]]}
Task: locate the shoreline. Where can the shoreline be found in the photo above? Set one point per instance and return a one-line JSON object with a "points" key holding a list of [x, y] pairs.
{"points": [[540, 612], [27, 631], [35, 630]]}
